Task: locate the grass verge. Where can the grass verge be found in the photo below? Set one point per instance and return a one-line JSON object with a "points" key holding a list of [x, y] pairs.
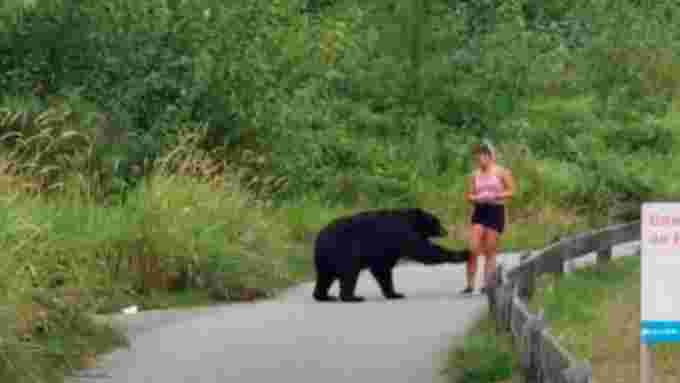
{"points": [[595, 312], [484, 356], [48, 338]]}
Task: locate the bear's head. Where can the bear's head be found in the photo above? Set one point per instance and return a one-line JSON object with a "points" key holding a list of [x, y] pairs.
{"points": [[425, 223], [454, 256]]}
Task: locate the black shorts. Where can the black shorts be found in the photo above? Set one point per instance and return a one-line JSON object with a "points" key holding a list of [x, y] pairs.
{"points": [[490, 216]]}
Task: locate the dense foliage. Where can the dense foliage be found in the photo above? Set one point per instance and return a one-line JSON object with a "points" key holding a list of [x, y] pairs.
{"points": [[351, 100]]}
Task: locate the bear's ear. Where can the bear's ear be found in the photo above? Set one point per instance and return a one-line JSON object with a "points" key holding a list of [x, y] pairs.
{"points": [[427, 224], [418, 213], [413, 214], [428, 217], [419, 217]]}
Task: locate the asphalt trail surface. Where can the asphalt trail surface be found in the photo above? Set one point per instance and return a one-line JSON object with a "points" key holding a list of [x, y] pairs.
{"points": [[292, 338]]}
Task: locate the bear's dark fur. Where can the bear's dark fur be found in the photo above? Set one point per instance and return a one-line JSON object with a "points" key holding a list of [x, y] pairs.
{"points": [[376, 240]]}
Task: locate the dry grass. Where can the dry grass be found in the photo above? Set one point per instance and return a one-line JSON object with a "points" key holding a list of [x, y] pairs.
{"points": [[596, 314], [616, 349]]}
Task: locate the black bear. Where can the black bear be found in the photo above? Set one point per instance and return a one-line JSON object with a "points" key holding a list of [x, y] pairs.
{"points": [[376, 240]]}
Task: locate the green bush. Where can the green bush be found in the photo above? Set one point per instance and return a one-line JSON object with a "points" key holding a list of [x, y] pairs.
{"points": [[484, 356]]}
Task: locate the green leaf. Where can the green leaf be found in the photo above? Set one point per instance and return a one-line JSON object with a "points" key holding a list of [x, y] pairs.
{"points": [[55, 346]]}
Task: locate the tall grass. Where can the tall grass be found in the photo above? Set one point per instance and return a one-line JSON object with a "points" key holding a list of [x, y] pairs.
{"points": [[188, 207], [190, 225]]}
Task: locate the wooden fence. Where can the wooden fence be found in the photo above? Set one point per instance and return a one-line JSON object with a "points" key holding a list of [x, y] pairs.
{"points": [[543, 359]]}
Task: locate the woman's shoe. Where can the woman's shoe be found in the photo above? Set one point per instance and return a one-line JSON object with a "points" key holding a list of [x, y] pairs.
{"points": [[467, 290]]}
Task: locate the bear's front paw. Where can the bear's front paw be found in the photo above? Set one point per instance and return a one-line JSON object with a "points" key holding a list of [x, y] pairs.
{"points": [[325, 298], [352, 299], [395, 296]]}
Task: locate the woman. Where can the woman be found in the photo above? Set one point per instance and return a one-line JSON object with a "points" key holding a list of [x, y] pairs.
{"points": [[489, 187]]}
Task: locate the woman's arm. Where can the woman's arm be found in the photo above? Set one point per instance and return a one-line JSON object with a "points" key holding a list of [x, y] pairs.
{"points": [[508, 183], [469, 190]]}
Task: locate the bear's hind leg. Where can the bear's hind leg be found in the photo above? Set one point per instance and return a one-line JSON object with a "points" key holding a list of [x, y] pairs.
{"points": [[386, 282], [348, 283], [324, 281]]}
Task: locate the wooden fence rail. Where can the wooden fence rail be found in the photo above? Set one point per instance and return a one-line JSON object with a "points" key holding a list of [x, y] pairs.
{"points": [[543, 359]]}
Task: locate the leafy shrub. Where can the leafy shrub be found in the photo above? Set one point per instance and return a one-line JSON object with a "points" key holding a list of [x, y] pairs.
{"points": [[646, 135], [282, 82], [484, 356]]}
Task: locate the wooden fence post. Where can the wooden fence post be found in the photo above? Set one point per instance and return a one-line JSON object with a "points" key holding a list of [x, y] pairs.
{"points": [[492, 291], [531, 334], [526, 281], [604, 256], [505, 305], [531, 281], [578, 373], [559, 268], [523, 285], [646, 363]]}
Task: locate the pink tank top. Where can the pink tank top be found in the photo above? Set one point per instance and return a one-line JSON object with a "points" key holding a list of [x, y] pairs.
{"points": [[488, 186]]}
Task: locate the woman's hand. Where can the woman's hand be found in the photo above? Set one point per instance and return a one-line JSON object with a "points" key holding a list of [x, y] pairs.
{"points": [[509, 184], [472, 197], [484, 197]]}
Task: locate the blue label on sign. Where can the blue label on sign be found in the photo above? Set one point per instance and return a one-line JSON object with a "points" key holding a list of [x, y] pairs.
{"points": [[659, 332]]}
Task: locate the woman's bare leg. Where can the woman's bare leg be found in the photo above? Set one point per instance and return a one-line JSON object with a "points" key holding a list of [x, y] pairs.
{"points": [[490, 246], [476, 250]]}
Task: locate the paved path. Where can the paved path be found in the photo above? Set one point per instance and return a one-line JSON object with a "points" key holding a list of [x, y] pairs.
{"points": [[294, 339]]}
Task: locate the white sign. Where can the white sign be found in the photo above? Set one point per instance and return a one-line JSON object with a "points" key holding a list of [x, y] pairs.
{"points": [[660, 274]]}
